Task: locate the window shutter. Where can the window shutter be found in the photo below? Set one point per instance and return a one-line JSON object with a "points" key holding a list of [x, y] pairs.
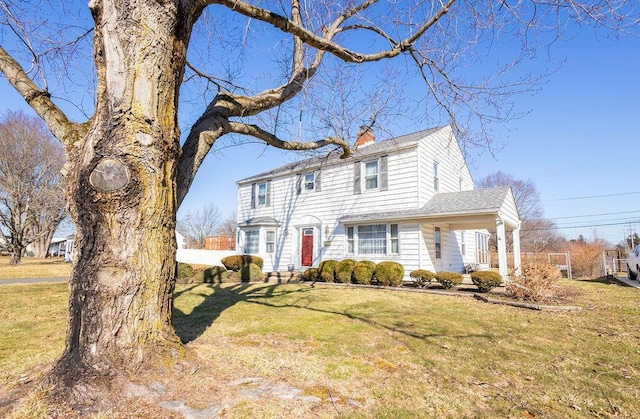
{"points": [[356, 178], [317, 181], [268, 199], [383, 174], [298, 184], [253, 195]]}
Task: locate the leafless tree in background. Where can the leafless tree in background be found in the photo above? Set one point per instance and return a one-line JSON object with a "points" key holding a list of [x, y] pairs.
{"points": [[196, 225], [127, 169], [537, 234], [32, 202], [228, 225]]}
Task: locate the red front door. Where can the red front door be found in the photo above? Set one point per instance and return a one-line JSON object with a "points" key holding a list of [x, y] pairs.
{"points": [[307, 247]]}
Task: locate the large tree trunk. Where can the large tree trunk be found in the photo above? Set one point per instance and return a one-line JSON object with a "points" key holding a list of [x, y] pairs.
{"points": [[121, 184], [41, 245]]}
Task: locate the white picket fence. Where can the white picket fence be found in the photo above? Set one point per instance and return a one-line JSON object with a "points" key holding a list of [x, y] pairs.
{"points": [[203, 257]]}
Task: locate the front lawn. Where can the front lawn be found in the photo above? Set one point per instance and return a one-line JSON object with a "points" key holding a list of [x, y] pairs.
{"points": [[34, 268], [353, 352]]}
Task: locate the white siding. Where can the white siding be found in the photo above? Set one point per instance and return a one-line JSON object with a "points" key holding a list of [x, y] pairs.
{"points": [[410, 186]]}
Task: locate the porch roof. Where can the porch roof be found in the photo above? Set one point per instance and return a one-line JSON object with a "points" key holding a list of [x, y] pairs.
{"points": [[260, 221], [478, 208]]}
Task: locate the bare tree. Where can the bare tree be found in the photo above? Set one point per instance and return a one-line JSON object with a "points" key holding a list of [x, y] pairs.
{"points": [[197, 225], [32, 202], [127, 172], [537, 234], [228, 225]]}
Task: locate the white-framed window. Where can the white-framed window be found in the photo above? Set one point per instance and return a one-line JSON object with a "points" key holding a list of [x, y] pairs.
{"points": [[252, 241], [437, 239], [394, 239], [309, 181], [436, 179], [261, 194], [482, 248], [371, 175], [270, 241], [373, 239], [460, 184], [463, 242], [351, 249]]}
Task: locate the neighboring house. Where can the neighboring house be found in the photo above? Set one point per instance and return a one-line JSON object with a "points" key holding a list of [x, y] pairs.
{"points": [[409, 199], [220, 243]]}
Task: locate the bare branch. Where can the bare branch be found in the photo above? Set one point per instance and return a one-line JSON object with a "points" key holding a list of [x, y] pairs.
{"points": [[325, 42], [274, 141], [38, 99]]}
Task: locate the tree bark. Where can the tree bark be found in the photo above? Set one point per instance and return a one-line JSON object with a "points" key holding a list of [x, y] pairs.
{"points": [[121, 184]]}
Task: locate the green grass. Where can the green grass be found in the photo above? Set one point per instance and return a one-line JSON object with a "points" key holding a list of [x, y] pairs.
{"points": [[34, 268], [381, 353]]}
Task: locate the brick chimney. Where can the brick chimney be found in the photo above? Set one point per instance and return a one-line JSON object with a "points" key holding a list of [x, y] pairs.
{"points": [[365, 137]]}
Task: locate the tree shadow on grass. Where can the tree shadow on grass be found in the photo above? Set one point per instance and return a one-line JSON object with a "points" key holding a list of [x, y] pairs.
{"points": [[191, 326]]}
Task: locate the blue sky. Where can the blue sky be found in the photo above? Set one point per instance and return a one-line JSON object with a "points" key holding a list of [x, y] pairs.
{"points": [[578, 145]]}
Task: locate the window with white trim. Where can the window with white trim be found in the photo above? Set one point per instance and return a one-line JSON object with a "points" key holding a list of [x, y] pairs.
{"points": [[463, 242], [350, 240], [262, 193], [252, 242], [373, 239], [270, 241], [309, 181], [482, 248], [371, 175], [437, 239], [436, 179]]}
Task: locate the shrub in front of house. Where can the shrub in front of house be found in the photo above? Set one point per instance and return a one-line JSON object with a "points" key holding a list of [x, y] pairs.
{"points": [[363, 272], [251, 272], [344, 270], [422, 277], [537, 283], [184, 271], [389, 274], [449, 279], [486, 280], [236, 262], [213, 275], [327, 270], [310, 274]]}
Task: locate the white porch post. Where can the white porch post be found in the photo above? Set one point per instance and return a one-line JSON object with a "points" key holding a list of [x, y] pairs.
{"points": [[502, 248], [517, 261]]}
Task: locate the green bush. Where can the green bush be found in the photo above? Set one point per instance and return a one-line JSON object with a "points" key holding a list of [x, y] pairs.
{"points": [[310, 274], [449, 279], [251, 272], [422, 277], [389, 274], [486, 280], [236, 262], [344, 270], [184, 271], [327, 270], [212, 275], [363, 272]]}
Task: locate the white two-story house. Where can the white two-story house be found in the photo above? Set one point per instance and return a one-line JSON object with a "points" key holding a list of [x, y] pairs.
{"points": [[408, 199]]}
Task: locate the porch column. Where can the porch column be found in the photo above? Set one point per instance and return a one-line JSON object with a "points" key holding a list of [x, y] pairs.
{"points": [[502, 248], [517, 261]]}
